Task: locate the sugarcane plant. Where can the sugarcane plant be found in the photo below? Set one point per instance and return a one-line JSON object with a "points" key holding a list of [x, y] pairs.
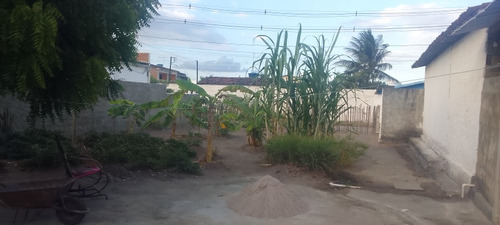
{"points": [[300, 93]]}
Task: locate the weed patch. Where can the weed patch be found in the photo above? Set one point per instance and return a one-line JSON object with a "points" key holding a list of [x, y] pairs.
{"points": [[323, 153]]}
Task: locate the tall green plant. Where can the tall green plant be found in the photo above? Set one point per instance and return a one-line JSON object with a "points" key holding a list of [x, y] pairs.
{"points": [[134, 113], [168, 110], [324, 97], [279, 67], [251, 114], [299, 91]]}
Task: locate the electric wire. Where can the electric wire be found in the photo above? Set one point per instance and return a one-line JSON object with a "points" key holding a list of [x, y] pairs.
{"points": [[295, 28], [253, 45], [318, 13]]}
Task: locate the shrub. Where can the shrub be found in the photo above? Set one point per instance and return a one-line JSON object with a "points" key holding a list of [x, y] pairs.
{"points": [[192, 139], [141, 151], [37, 148], [324, 153]]}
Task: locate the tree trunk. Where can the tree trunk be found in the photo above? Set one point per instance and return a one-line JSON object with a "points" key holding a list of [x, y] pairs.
{"points": [[174, 127], [209, 152], [73, 132]]}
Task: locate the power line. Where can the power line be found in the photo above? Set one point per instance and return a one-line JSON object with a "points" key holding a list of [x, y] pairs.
{"points": [[315, 30], [319, 13], [184, 49], [253, 45]]}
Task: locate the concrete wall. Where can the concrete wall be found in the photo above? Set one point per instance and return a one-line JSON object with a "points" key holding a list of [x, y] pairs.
{"points": [[453, 84], [363, 97], [139, 73], [401, 114], [487, 178], [213, 89], [88, 120]]}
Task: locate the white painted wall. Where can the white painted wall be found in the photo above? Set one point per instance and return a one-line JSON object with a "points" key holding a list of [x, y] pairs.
{"points": [[363, 97], [453, 85], [213, 89], [138, 74]]}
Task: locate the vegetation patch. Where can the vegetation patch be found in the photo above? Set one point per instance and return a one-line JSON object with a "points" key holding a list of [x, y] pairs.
{"points": [[192, 139], [315, 153], [141, 151], [37, 149]]}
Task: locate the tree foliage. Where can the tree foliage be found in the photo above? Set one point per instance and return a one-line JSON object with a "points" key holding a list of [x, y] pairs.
{"points": [[366, 66], [57, 55]]}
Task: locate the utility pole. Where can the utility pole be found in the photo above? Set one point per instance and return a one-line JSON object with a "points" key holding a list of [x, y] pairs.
{"points": [[170, 68], [196, 71]]}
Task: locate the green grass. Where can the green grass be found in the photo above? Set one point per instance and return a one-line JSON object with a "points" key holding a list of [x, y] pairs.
{"points": [[321, 153]]}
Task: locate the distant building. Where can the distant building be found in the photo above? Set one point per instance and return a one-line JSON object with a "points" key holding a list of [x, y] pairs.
{"points": [[162, 74], [139, 72], [142, 71]]}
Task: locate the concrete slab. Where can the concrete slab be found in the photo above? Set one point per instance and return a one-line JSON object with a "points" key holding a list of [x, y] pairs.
{"points": [[407, 185], [434, 164], [428, 158]]}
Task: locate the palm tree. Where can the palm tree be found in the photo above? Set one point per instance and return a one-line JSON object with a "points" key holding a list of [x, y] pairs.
{"points": [[366, 65]]}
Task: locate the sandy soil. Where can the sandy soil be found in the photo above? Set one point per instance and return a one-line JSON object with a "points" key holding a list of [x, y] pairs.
{"points": [[146, 197]]}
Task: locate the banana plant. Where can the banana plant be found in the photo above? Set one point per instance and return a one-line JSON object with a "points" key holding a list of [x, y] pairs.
{"points": [[251, 113], [134, 113]]}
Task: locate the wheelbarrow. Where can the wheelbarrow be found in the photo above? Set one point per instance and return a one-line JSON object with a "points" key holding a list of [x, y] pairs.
{"points": [[44, 194], [63, 194]]}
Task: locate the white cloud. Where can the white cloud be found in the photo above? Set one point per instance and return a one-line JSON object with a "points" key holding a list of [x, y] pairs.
{"points": [[222, 64], [176, 9]]}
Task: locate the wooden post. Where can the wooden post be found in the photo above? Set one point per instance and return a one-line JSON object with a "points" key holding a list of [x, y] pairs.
{"points": [[368, 114]]}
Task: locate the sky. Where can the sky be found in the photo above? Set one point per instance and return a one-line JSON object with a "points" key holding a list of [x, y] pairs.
{"points": [[221, 35]]}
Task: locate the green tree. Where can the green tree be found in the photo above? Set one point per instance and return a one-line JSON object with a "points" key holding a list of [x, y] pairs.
{"points": [[366, 65], [57, 55]]}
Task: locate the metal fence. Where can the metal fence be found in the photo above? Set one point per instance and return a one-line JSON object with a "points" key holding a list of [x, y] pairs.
{"points": [[360, 119]]}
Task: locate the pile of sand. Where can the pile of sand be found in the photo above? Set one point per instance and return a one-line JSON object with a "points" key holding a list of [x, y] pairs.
{"points": [[267, 198]]}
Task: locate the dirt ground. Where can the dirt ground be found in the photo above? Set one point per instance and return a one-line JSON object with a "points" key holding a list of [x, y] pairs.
{"points": [[394, 190]]}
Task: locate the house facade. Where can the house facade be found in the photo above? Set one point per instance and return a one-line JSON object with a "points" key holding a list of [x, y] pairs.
{"points": [[139, 72], [143, 72], [461, 115], [163, 74]]}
